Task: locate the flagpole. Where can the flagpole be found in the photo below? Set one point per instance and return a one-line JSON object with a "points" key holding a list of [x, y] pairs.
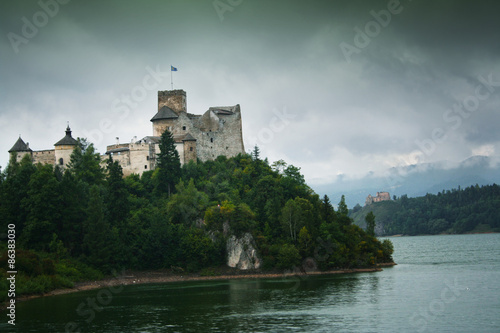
{"points": [[171, 78]]}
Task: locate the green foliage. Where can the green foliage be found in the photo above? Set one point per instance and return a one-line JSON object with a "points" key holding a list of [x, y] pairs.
{"points": [[296, 214], [370, 224], [169, 165], [455, 211], [305, 241], [39, 272], [387, 250], [88, 220], [85, 163], [288, 257], [187, 205]]}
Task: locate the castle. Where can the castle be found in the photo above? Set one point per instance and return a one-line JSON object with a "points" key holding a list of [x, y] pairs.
{"points": [[217, 132], [381, 196]]}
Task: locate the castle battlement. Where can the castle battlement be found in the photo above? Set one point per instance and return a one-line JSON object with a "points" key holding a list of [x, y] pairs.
{"points": [[205, 136]]}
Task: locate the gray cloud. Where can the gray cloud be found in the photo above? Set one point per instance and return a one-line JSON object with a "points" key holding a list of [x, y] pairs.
{"points": [[349, 118]]}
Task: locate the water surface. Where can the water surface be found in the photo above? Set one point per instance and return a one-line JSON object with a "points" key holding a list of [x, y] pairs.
{"points": [[441, 284]]}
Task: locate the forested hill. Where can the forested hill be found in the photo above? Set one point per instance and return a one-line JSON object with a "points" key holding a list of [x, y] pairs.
{"points": [[473, 209], [89, 217]]}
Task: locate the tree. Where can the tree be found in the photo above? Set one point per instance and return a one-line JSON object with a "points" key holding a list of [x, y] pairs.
{"points": [[327, 211], [296, 214], [169, 165], [116, 194], [187, 205], [370, 224], [279, 166], [85, 163], [305, 240], [43, 208], [99, 242], [256, 153], [288, 256], [343, 212]]}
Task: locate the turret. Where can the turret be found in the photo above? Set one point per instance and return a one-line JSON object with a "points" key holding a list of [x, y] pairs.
{"points": [[20, 149], [64, 148]]}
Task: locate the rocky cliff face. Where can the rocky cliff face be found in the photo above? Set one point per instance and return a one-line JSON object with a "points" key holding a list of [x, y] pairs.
{"points": [[242, 253]]}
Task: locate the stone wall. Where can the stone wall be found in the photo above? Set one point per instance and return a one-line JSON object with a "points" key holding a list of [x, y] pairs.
{"points": [[381, 196], [44, 156], [189, 151], [174, 99], [63, 155]]}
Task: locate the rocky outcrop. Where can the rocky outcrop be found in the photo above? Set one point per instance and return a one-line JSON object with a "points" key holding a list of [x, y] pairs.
{"points": [[242, 253]]}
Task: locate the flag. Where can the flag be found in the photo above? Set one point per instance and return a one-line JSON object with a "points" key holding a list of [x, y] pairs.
{"points": [[173, 69]]}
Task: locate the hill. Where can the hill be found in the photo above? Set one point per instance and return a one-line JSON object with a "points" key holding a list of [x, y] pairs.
{"points": [[415, 180], [241, 212], [473, 209]]}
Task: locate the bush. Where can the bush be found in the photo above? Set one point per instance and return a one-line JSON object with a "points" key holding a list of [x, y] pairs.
{"points": [[48, 266], [208, 272], [288, 256]]}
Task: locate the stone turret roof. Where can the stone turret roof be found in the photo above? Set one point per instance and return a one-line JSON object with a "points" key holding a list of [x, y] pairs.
{"points": [[19, 146], [165, 113], [188, 137], [67, 140]]}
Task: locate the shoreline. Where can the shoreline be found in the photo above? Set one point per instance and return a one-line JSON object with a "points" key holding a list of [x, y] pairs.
{"points": [[135, 278], [466, 233]]}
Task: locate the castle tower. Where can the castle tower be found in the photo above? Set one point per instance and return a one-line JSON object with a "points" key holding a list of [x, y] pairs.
{"points": [[171, 104], [164, 119], [20, 149], [174, 99], [189, 143], [64, 148]]}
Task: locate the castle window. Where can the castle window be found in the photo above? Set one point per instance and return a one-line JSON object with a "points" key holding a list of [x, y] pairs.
{"points": [[145, 167], [211, 139], [61, 161], [147, 158], [183, 128], [190, 148]]}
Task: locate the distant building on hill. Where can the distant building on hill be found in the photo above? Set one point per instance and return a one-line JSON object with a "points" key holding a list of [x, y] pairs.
{"points": [[381, 196]]}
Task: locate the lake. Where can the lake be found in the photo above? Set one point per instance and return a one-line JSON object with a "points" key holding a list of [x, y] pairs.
{"points": [[441, 284]]}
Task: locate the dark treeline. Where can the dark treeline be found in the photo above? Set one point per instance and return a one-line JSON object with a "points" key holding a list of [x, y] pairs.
{"points": [[459, 210], [91, 219]]}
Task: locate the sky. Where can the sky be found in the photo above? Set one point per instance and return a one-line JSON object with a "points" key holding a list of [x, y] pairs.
{"points": [[337, 88]]}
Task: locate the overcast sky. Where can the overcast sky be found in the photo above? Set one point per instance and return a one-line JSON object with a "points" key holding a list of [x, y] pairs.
{"points": [[333, 87]]}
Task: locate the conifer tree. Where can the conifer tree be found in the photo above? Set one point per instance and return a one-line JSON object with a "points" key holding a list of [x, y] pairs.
{"points": [[169, 165], [370, 224], [85, 163]]}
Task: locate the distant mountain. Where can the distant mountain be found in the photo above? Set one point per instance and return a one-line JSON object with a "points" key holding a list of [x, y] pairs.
{"points": [[415, 180]]}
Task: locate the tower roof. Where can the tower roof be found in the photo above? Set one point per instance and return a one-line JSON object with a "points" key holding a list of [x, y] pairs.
{"points": [[189, 137], [67, 140], [20, 145], [165, 113]]}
